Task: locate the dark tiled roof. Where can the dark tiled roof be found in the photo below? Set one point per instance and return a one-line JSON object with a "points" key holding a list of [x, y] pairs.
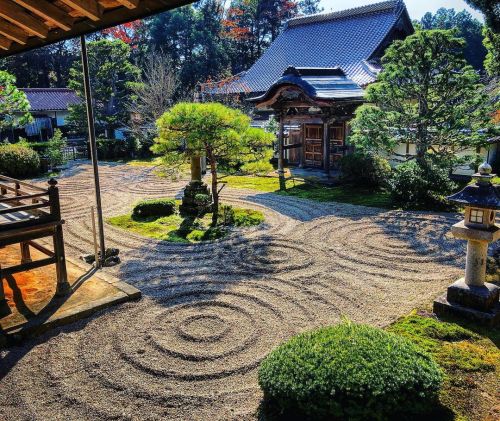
{"points": [[51, 99], [345, 39], [317, 83], [481, 195]]}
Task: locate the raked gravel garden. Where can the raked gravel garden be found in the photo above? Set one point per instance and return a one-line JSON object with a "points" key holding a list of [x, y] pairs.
{"points": [[211, 311]]}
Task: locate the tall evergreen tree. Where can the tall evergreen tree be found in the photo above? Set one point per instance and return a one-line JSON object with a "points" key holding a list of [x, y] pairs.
{"points": [[112, 75], [466, 26], [426, 95], [491, 11]]}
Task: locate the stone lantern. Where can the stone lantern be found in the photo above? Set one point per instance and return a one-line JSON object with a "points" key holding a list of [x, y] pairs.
{"points": [[471, 296]]}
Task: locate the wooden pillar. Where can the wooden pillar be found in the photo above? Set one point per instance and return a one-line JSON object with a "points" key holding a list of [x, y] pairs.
{"points": [[326, 148], [63, 286], [303, 143], [93, 146], [3, 301], [25, 252], [281, 167]]}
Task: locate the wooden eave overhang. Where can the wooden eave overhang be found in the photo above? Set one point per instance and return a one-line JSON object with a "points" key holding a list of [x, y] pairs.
{"points": [[30, 24]]}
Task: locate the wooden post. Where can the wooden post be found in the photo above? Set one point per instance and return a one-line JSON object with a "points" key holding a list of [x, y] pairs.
{"points": [[326, 148], [63, 286], [55, 206], [25, 252], [93, 146], [3, 301], [281, 167], [303, 143]]}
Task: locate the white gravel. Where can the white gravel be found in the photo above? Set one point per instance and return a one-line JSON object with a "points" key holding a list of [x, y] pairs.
{"points": [[191, 347]]}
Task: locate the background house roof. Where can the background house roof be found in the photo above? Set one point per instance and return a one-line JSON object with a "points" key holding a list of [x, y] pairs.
{"points": [[347, 39], [51, 99]]}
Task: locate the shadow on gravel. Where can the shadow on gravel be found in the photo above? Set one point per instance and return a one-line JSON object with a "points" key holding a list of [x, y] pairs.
{"points": [[425, 233]]}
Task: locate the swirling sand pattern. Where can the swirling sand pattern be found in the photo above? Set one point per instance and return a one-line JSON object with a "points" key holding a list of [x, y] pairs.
{"points": [[191, 347]]}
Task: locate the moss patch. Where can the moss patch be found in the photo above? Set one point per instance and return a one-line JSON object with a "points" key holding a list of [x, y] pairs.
{"points": [[469, 356], [311, 189], [179, 229]]}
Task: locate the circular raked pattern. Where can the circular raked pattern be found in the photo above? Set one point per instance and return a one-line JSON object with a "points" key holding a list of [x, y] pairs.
{"points": [[190, 349]]}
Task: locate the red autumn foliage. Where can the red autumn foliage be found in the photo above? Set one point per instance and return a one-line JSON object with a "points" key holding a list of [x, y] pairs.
{"points": [[128, 32]]}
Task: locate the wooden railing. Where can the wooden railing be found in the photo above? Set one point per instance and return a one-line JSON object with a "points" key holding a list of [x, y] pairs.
{"points": [[29, 213], [24, 205]]}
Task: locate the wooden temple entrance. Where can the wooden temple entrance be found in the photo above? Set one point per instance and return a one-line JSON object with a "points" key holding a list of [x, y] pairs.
{"points": [[304, 145], [313, 106]]}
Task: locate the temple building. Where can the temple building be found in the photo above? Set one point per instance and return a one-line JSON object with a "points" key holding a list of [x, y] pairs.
{"points": [[313, 77]]}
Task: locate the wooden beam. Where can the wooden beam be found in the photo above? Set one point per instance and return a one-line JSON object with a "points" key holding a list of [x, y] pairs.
{"points": [[5, 44], [114, 17], [13, 32], [18, 16], [88, 8], [48, 12], [129, 4]]}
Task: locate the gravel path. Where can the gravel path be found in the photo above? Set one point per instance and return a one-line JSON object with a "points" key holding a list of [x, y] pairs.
{"points": [[191, 347]]}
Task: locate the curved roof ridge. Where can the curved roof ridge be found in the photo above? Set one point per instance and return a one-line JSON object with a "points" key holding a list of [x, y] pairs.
{"points": [[341, 14]]}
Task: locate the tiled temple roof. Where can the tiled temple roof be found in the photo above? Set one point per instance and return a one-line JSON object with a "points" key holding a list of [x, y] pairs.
{"points": [[347, 40], [317, 83]]}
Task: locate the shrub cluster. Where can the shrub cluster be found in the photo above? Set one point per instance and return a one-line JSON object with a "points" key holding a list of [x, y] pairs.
{"points": [[365, 169], [18, 161], [238, 217], [350, 371], [154, 207], [116, 148], [415, 186]]}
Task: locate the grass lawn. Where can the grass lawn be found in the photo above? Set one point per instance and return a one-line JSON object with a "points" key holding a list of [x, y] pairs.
{"points": [[312, 190], [470, 359], [178, 229], [144, 162]]}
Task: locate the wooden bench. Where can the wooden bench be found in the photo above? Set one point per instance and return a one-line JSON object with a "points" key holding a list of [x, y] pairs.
{"points": [[29, 213]]}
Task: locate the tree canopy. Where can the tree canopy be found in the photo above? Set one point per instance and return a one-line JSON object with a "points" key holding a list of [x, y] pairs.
{"points": [[426, 95], [14, 106], [466, 26], [218, 132], [112, 75], [490, 10]]}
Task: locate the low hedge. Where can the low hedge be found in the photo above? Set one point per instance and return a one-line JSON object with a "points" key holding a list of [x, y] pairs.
{"points": [[349, 371], [365, 170], [18, 161], [154, 207], [115, 148]]}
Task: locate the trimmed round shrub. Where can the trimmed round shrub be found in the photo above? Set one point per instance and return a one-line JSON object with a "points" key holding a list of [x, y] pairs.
{"points": [[365, 170], [413, 186], [18, 161], [154, 207], [349, 371]]}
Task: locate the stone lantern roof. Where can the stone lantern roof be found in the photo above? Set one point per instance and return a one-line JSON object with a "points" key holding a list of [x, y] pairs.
{"points": [[482, 194]]}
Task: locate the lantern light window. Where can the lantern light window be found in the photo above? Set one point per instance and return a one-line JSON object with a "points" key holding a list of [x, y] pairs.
{"points": [[476, 215]]}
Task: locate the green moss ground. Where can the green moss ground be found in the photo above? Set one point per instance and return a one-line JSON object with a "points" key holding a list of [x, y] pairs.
{"points": [[469, 357], [175, 228], [308, 189]]}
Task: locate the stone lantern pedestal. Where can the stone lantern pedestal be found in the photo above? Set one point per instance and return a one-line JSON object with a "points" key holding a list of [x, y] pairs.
{"points": [[471, 296]]}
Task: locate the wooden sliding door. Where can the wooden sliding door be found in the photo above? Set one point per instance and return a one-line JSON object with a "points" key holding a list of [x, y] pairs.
{"points": [[313, 144]]}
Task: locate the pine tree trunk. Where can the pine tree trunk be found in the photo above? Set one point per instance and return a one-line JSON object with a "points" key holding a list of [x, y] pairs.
{"points": [[215, 193], [422, 141]]}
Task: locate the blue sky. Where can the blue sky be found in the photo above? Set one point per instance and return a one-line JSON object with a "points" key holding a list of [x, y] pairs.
{"points": [[416, 8]]}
